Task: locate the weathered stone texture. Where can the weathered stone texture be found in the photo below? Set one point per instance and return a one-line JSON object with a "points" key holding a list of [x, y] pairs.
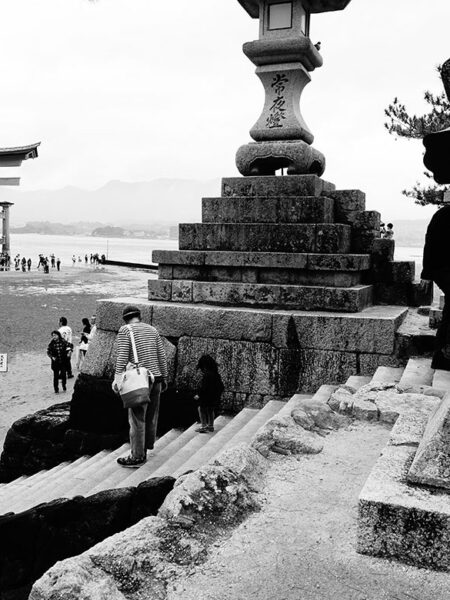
{"points": [[99, 357], [212, 322], [294, 185], [267, 210], [348, 204], [245, 367], [322, 365], [109, 312], [398, 521], [431, 465]]}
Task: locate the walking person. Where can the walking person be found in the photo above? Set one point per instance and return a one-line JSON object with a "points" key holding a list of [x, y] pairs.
{"points": [[58, 264], [436, 267], [29, 264], [84, 342], [143, 419], [57, 351], [66, 333], [209, 394]]}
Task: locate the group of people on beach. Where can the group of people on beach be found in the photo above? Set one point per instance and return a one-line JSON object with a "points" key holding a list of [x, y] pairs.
{"points": [[61, 347], [92, 259]]}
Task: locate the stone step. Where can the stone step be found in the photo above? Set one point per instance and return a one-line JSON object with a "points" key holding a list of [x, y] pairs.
{"points": [[12, 494], [292, 185], [172, 464], [63, 486], [418, 371], [127, 477], [387, 375], [262, 260], [297, 297], [357, 381], [248, 431], [215, 444], [279, 275], [244, 209], [324, 393], [266, 237], [286, 410], [111, 470], [441, 380]]}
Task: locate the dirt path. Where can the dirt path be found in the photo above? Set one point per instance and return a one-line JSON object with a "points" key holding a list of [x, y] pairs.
{"points": [[301, 546]]}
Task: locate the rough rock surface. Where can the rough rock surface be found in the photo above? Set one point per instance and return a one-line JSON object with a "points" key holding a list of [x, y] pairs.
{"points": [[384, 401], [431, 465]]}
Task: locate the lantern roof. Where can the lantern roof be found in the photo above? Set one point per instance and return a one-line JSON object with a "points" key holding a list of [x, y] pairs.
{"points": [[313, 6]]}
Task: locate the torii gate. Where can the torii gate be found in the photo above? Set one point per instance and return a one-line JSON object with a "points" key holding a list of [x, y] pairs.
{"points": [[11, 157]]}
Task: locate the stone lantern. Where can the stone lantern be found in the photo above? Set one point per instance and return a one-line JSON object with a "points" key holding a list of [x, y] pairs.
{"points": [[284, 56]]}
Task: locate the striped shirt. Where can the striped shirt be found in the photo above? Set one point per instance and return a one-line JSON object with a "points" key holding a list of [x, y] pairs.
{"points": [[149, 346]]}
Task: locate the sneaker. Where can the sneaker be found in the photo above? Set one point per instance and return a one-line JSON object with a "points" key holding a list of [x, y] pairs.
{"points": [[64, 388], [56, 391], [210, 428], [202, 429], [131, 462]]}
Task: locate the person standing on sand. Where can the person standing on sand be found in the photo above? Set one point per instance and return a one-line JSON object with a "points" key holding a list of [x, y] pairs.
{"points": [[58, 263], [29, 263], [84, 342], [151, 354], [66, 333], [74, 260], [57, 351]]}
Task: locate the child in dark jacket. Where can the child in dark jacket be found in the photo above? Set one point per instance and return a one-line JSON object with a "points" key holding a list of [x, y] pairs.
{"points": [[209, 393]]}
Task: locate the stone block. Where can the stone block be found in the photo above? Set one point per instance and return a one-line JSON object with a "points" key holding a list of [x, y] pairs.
{"points": [[308, 209], [403, 271], [347, 205], [251, 237], [332, 239], [441, 301], [339, 262], [178, 257], [362, 240], [309, 278], [369, 363], [99, 357], [398, 521], [159, 289], [365, 410], [431, 465], [236, 293], [173, 320], [383, 250], [212, 273], [109, 312], [182, 291], [324, 366], [367, 220], [372, 331], [408, 430], [193, 272], [245, 367], [292, 185], [392, 293], [166, 272]]}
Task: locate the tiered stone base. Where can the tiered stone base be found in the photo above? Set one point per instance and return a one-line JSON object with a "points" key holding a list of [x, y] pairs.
{"points": [[262, 354]]}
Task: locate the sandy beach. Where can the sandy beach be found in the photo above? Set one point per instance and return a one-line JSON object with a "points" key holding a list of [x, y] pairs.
{"points": [[30, 306]]}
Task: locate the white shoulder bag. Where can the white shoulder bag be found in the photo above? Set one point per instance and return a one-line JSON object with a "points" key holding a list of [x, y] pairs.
{"points": [[137, 381]]}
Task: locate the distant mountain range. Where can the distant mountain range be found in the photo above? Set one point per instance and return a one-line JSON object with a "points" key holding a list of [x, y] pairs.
{"points": [[159, 201]]}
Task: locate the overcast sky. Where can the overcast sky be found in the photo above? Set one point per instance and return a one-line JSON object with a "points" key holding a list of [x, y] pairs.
{"points": [[141, 89]]}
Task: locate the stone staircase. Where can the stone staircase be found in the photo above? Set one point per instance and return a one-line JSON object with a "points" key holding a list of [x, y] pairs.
{"points": [[174, 454]]}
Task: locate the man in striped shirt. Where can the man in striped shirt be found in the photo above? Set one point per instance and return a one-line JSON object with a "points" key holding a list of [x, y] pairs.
{"points": [[151, 354]]}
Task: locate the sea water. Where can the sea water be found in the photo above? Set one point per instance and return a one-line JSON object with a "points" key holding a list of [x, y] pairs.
{"points": [[31, 245], [64, 247]]}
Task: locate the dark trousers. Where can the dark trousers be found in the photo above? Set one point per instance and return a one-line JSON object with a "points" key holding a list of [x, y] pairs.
{"points": [[442, 280], [68, 365], [143, 422], [59, 372]]}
